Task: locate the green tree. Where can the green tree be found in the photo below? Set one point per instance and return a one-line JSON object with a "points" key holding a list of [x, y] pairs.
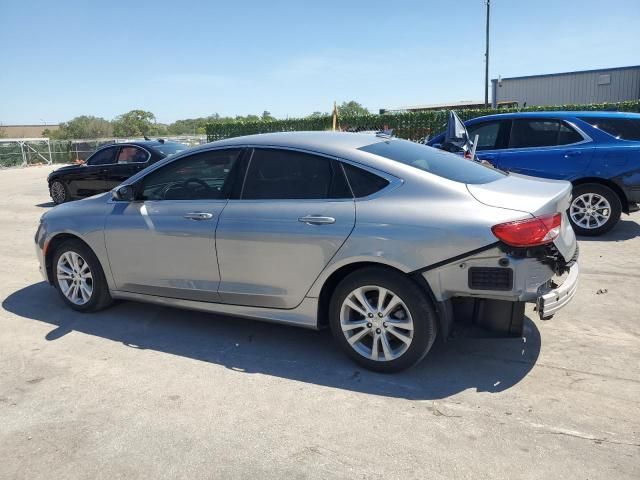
{"points": [[352, 108], [318, 115], [136, 123], [84, 126], [266, 116]]}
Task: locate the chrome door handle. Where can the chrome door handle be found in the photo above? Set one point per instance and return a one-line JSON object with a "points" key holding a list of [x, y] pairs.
{"points": [[198, 216], [316, 220]]}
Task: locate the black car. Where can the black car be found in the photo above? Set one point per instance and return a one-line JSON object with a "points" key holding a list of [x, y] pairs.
{"points": [[107, 168]]}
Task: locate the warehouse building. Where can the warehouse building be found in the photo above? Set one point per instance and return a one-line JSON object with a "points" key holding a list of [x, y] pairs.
{"points": [[587, 86]]}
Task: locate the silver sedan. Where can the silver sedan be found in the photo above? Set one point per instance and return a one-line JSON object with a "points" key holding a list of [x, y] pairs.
{"points": [[385, 241]]}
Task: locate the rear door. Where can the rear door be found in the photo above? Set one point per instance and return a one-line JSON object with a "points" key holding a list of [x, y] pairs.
{"points": [[546, 147], [129, 161], [294, 212]]}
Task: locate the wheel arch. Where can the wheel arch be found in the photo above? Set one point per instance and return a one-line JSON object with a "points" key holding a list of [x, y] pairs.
{"points": [[339, 274], [54, 243], [607, 183]]}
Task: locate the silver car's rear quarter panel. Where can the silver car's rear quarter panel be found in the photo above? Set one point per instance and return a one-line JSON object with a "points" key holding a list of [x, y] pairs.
{"points": [[416, 225]]}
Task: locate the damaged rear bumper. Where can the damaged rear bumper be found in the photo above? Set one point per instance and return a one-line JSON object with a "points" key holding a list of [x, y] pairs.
{"points": [[553, 300]]}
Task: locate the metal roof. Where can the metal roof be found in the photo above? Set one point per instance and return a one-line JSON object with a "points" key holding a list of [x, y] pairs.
{"points": [[567, 73]]}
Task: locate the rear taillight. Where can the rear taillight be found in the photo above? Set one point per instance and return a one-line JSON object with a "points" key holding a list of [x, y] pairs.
{"points": [[530, 232]]}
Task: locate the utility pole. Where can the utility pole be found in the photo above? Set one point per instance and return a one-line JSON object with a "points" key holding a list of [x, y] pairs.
{"points": [[486, 60]]}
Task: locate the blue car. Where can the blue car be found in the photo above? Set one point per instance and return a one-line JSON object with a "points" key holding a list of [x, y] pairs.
{"points": [[598, 152]]}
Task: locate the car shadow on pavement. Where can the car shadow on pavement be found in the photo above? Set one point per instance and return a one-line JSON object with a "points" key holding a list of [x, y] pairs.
{"points": [[483, 363], [624, 230], [46, 205]]}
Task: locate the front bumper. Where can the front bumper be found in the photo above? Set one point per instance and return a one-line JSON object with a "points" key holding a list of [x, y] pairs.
{"points": [[551, 302]]}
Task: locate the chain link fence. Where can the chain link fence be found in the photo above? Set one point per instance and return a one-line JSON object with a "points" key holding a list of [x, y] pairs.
{"points": [[42, 151]]}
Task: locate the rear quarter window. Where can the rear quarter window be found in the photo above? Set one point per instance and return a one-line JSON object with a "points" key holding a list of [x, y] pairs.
{"points": [[621, 128], [437, 162]]}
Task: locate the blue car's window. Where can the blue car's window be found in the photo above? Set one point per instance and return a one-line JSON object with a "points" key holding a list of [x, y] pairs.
{"points": [[443, 164], [622, 128], [527, 133]]}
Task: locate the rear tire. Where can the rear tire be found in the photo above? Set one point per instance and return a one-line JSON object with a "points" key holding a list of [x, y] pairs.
{"points": [[79, 278], [59, 192], [595, 209], [371, 330]]}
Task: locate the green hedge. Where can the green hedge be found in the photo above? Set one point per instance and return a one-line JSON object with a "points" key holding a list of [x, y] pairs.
{"points": [[412, 126]]}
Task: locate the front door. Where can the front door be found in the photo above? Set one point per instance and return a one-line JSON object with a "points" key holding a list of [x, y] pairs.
{"points": [[91, 179], [163, 243], [294, 212]]}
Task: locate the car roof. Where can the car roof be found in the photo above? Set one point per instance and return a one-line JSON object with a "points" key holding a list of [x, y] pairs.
{"points": [[558, 114], [331, 143], [139, 143]]}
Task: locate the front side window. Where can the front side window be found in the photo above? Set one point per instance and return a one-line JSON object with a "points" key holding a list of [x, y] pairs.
{"points": [[284, 175], [527, 133], [197, 177], [443, 164], [621, 128], [489, 137], [103, 157], [132, 155]]}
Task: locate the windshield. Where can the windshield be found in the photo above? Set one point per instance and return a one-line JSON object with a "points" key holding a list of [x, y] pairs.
{"points": [[443, 164], [169, 148]]}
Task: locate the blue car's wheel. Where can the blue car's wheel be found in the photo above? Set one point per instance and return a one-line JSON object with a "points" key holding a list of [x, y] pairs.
{"points": [[595, 209]]}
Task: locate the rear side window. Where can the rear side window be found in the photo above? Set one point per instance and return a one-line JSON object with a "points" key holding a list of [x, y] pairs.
{"points": [[288, 175], [363, 183], [437, 162], [621, 128], [103, 157], [527, 133], [132, 155]]}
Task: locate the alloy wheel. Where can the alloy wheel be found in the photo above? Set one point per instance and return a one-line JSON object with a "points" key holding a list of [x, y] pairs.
{"points": [[376, 323], [75, 278], [58, 193], [590, 210]]}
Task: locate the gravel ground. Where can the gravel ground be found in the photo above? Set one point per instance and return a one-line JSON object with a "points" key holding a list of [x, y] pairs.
{"points": [[141, 391]]}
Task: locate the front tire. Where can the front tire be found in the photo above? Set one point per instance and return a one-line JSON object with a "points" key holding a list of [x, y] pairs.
{"points": [[595, 209], [58, 191], [382, 319], [79, 278]]}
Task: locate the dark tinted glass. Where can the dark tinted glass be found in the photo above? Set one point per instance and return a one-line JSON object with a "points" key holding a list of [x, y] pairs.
{"points": [[103, 157], [437, 162], [197, 177], [541, 133], [487, 135], [567, 135], [363, 183], [283, 174], [622, 128]]}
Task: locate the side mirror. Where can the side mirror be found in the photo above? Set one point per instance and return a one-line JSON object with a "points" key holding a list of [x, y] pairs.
{"points": [[437, 145], [123, 193]]}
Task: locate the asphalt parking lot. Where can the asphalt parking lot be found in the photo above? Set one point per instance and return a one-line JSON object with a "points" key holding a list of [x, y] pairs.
{"points": [[141, 391]]}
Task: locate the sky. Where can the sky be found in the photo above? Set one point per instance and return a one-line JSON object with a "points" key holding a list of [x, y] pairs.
{"points": [[60, 59]]}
